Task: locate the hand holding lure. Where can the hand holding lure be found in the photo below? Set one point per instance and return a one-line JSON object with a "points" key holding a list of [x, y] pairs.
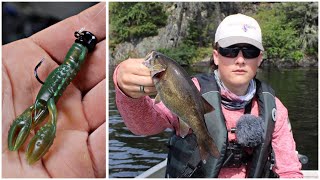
{"points": [[45, 103]]}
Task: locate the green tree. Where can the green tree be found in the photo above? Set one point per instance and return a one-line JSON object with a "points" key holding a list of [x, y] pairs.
{"points": [[280, 38], [304, 17], [133, 20], [195, 46]]}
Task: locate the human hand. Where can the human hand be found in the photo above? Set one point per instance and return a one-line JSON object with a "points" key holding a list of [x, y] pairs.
{"points": [[79, 149], [131, 75]]}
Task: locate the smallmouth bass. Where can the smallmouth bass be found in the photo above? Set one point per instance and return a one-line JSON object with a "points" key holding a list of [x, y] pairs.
{"points": [[179, 94]]}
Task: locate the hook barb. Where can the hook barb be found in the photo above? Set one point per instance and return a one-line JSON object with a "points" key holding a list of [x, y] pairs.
{"points": [[36, 73]]}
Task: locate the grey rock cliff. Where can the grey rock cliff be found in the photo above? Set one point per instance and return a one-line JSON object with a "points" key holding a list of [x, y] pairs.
{"points": [[205, 14]]}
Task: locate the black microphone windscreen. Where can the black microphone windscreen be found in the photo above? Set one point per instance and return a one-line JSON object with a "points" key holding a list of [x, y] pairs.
{"points": [[249, 130]]}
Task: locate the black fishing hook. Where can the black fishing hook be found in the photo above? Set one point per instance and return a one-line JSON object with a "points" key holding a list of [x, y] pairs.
{"points": [[36, 73]]}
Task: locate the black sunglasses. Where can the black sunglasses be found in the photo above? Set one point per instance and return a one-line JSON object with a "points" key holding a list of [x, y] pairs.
{"points": [[233, 51]]}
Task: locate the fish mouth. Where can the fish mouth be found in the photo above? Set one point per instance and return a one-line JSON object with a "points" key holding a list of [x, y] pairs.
{"points": [[156, 69], [148, 58]]}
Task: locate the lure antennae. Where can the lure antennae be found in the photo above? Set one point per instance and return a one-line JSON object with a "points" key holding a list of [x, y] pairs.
{"points": [[36, 73], [83, 28], [77, 34]]}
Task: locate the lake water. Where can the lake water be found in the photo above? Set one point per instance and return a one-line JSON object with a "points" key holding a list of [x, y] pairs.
{"points": [[130, 155]]}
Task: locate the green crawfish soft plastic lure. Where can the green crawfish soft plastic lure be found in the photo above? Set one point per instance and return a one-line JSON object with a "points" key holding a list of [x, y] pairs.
{"points": [[45, 103]]}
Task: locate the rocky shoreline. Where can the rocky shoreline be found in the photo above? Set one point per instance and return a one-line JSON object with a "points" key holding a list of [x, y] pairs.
{"points": [[175, 31]]}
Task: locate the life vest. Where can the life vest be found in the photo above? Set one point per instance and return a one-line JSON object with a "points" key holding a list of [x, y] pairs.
{"points": [[184, 158]]}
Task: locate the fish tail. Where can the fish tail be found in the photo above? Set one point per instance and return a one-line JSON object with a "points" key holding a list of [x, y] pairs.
{"points": [[207, 147], [203, 151], [213, 149]]}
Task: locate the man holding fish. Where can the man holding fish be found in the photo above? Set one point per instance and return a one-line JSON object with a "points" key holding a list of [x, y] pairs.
{"points": [[227, 124]]}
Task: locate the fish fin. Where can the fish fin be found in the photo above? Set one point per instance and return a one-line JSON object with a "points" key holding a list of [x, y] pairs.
{"points": [[184, 128], [207, 106], [157, 99]]}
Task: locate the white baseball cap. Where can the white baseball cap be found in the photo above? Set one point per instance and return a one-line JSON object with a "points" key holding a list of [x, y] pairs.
{"points": [[239, 28]]}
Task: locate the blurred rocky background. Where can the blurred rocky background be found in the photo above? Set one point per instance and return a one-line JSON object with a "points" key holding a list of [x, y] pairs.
{"points": [[185, 30]]}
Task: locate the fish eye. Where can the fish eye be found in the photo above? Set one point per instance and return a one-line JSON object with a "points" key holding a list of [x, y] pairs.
{"points": [[157, 56]]}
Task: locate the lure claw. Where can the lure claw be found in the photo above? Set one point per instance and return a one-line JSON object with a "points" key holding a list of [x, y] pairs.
{"points": [[23, 124], [43, 139], [41, 143], [20, 129]]}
